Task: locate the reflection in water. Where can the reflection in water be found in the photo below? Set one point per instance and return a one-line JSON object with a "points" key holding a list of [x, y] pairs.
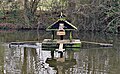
{"points": [[25, 60], [34, 60], [1, 59], [22, 60], [61, 64], [23, 36]]}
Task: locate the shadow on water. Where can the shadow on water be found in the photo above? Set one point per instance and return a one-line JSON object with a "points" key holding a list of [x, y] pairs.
{"points": [[89, 59]]}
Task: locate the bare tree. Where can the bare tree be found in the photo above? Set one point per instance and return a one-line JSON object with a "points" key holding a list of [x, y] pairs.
{"points": [[30, 8]]}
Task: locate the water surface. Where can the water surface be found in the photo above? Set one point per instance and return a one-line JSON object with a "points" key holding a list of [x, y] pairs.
{"points": [[89, 59]]}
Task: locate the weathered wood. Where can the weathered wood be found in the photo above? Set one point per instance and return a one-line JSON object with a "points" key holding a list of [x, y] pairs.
{"points": [[60, 46], [48, 43], [97, 43], [60, 49], [24, 44], [55, 41]]}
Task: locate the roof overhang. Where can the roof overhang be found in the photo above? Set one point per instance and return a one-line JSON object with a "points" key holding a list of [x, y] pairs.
{"points": [[55, 26]]}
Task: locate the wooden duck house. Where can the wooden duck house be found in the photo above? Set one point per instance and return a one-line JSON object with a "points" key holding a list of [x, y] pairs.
{"points": [[60, 27]]}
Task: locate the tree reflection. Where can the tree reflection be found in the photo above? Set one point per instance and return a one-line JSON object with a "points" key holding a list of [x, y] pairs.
{"points": [[28, 60], [24, 66], [1, 59]]}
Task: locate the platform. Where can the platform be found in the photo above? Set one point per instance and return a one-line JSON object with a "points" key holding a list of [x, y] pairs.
{"points": [[49, 43]]}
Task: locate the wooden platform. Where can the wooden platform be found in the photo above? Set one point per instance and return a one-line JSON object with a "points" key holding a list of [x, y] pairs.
{"points": [[24, 44], [48, 43]]}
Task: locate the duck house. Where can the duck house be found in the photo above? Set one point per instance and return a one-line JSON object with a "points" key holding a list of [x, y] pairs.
{"points": [[59, 28]]}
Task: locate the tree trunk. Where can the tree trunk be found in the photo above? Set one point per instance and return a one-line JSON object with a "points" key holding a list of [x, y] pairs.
{"points": [[30, 8]]}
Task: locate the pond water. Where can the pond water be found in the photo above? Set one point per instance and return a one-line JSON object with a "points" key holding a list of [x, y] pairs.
{"points": [[31, 59]]}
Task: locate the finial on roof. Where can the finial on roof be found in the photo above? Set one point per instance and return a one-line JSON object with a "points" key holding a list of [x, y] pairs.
{"points": [[61, 15]]}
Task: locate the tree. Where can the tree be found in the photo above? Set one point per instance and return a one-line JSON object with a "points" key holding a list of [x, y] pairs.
{"points": [[112, 15], [30, 8]]}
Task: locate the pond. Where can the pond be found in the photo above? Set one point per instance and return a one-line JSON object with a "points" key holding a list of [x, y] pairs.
{"points": [[31, 59]]}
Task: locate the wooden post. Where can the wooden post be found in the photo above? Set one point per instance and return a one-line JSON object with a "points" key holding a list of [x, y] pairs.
{"points": [[52, 54], [53, 36], [70, 36], [61, 37], [60, 50]]}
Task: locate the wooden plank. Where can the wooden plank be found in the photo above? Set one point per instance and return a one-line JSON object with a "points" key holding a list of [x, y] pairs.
{"points": [[97, 43], [61, 41], [61, 33], [60, 46], [60, 49]]}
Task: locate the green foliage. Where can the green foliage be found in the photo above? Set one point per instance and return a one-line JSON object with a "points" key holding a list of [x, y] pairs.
{"points": [[85, 14]]}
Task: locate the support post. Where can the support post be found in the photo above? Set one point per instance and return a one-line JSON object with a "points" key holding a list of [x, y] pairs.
{"points": [[52, 54], [70, 36], [60, 50], [61, 37], [53, 36]]}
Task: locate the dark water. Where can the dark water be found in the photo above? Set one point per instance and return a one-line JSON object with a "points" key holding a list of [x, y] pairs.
{"points": [[89, 59]]}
